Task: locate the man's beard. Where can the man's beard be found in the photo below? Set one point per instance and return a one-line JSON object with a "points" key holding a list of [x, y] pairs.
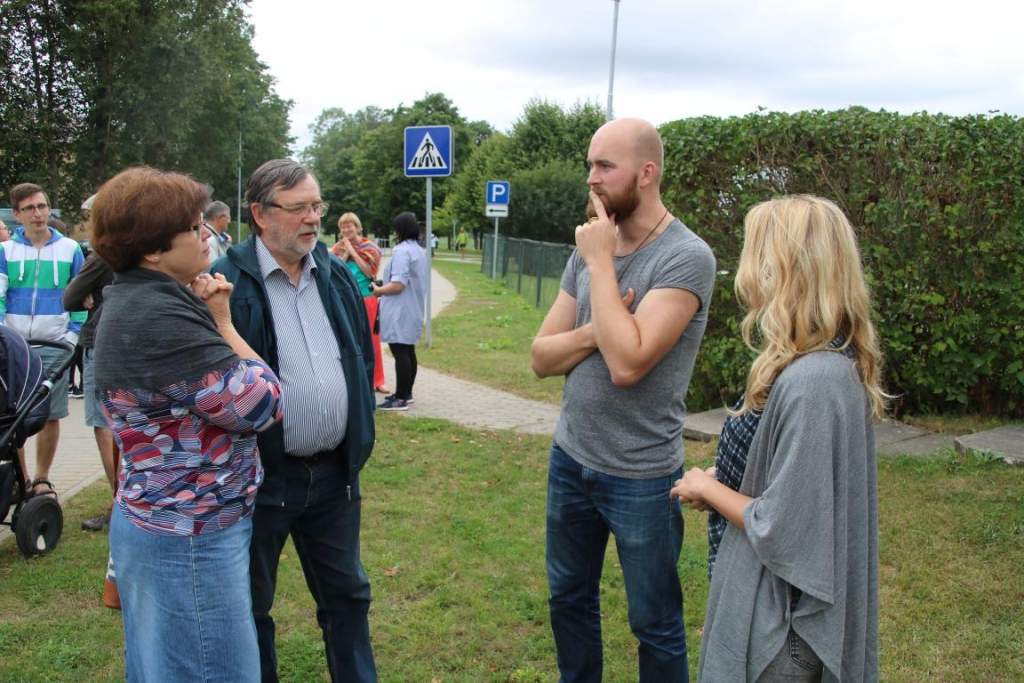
{"points": [[622, 205]]}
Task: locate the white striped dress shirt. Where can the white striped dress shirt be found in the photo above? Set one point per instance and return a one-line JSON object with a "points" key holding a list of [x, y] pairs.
{"points": [[314, 395]]}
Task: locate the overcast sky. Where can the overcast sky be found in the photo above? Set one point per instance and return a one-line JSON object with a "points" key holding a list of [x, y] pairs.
{"points": [[675, 58]]}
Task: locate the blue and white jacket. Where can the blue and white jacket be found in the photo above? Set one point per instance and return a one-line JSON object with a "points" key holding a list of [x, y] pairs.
{"points": [[32, 282]]}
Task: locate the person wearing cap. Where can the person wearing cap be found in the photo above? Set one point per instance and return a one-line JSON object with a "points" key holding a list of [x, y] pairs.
{"points": [[35, 267], [401, 310]]}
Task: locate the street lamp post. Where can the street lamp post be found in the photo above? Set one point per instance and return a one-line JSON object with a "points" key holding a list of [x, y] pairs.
{"points": [[238, 217], [611, 69]]}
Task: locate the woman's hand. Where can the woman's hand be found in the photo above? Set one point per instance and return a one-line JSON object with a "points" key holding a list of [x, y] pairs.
{"points": [[700, 490], [216, 292], [690, 490], [393, 288], [342, 249], [704, 507]]}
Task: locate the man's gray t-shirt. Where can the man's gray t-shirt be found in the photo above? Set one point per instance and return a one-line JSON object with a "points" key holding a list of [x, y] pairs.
{"points": [[636, 432]]}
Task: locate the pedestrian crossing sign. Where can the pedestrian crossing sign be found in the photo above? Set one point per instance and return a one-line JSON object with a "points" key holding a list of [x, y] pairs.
{"points": [[428, 151]]}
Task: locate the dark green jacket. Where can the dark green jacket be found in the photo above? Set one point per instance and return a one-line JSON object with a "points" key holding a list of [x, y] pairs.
{"points": [[252, 318]]}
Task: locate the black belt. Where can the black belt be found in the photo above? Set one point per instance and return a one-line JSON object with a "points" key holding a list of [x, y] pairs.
{"points": [[316, 457]]}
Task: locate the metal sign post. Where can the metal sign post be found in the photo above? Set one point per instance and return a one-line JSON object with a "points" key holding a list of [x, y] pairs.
{"points": [[494, 252], [430, 257], [428, 154], [496, 207]]}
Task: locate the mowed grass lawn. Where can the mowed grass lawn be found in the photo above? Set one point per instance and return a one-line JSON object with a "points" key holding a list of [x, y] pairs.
{"points": [[485, 334], [453, 542]]}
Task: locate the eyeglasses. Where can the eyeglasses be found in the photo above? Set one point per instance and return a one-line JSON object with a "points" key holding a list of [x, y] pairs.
{"points": [[319, 208], [197, 230], [42, 206]]}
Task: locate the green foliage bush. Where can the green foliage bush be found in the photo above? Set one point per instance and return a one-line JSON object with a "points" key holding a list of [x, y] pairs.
{"points": [[938, 205], [358, 159], [88, 88], [549, 197], [543, 156]]}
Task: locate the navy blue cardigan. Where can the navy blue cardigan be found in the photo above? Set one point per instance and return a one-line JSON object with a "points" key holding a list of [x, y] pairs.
{"points": [[344, 305]]}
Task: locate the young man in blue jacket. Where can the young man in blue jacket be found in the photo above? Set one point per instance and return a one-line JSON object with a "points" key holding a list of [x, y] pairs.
{"points": [[36, 265]]}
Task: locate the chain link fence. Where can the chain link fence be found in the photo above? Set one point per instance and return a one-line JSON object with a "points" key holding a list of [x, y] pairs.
{"points": [[532, 268]]}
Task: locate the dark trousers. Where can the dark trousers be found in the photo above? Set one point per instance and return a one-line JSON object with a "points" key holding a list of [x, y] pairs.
{"points": [[322, 513], [405, 369]]}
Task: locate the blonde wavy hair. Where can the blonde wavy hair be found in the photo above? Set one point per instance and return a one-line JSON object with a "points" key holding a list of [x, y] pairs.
{"points": [[349, 217], [801, 280]]}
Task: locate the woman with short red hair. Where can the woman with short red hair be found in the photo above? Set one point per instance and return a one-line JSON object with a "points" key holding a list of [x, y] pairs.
{"points": [[184, 395]]}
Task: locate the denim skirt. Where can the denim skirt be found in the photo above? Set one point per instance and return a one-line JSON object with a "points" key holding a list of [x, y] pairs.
{"points": [[185, 603]]}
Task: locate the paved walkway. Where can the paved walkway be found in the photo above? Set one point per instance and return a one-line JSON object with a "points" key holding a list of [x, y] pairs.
{"points": [[467, 403]]}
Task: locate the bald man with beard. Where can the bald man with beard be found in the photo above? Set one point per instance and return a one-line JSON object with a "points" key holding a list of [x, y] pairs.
{"points": [[624, 330]]}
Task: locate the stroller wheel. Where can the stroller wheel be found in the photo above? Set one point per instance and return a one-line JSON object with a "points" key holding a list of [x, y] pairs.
{"points": [[38, 525]]}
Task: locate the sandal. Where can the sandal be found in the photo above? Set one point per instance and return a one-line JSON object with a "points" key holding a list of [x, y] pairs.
{"points": [[40, 481]]}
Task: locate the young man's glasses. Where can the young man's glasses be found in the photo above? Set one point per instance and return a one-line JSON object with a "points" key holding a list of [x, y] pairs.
{"points": [[40, 207], [319, 208]]}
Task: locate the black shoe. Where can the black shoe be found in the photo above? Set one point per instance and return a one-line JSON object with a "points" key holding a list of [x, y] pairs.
{"points": [[390, 397], [96, 523], [76, 392], [390, 404]]}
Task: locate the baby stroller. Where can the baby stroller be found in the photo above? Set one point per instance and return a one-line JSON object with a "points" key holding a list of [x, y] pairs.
{"points": [[37, 520]]}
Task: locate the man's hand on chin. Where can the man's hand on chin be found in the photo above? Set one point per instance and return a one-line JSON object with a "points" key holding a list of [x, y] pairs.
{"points": [[596, 239]]}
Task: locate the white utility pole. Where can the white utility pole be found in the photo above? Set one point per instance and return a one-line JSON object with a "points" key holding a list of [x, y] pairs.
{"points": [[238, 218], [611, 69]]}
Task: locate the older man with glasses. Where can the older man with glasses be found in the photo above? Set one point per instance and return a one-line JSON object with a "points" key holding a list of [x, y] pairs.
{"points": [[217, 217], [35, 267], [302, 311]]}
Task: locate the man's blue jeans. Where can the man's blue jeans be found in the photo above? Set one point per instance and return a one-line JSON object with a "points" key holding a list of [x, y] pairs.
{"points": [[322, 513], [583, 506], [185, 603]]}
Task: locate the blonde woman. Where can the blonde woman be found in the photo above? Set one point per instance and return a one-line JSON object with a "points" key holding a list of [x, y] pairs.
{"points": [[362, 257], [794, 592]]}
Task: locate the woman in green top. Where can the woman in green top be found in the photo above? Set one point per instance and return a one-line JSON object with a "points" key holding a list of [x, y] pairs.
{"points": [[362, 257]]}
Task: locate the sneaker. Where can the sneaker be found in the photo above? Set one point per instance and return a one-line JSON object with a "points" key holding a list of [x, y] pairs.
{"points": [[392, 403], [409, 400], [96, 523], [76, 392]]}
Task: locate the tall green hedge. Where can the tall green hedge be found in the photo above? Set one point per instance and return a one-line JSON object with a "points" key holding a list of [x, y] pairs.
{"points": [[938, 205]]}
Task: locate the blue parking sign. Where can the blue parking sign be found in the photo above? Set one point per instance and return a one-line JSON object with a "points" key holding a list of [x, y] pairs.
{"points": [[428, 151], [497, 191]]}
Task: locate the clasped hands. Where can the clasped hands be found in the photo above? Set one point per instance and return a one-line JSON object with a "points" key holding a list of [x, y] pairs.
{"points": [[215, 291], [690, 489]]}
